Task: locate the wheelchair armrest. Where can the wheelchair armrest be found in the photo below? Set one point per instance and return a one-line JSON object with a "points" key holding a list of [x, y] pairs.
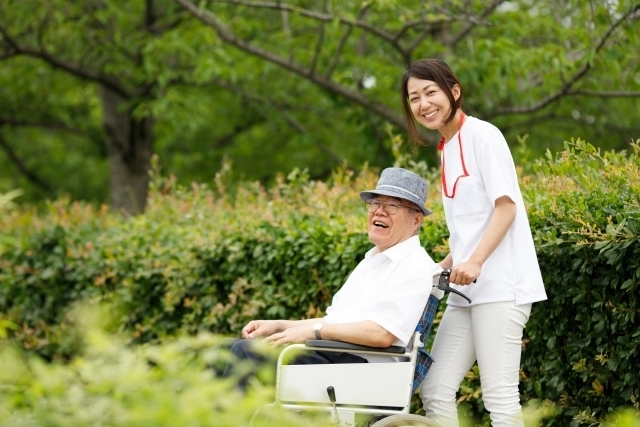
{"points": [[348, 347]]}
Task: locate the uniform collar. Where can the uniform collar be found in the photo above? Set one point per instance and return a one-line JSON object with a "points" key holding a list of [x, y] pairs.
{"points": [[397, 252]]}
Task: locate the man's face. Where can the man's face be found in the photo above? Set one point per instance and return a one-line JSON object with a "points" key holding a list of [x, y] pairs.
{"points": [[387, 230]]}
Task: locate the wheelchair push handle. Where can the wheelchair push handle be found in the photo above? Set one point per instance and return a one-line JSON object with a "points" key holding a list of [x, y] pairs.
{"points": [[443, 284]]}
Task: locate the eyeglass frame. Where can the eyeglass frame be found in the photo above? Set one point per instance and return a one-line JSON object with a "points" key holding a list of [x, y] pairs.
{"points": [[373, 202]]}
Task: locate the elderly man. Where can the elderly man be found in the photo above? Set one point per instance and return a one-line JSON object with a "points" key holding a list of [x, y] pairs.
{"points": [[382, 300]]}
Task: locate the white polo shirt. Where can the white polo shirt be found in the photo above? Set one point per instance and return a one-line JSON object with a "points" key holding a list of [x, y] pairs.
{"points": [[512, 271], [390, 288]]}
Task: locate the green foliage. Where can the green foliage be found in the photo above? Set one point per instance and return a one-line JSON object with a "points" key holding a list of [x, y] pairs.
{"points": [[6, 200], [209, 99], [51, 122], [111, 384], [199, 259], [584, 346], [210, 259]]}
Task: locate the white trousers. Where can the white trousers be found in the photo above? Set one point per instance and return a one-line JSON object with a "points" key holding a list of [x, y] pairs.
{"points": [[490, 333]]}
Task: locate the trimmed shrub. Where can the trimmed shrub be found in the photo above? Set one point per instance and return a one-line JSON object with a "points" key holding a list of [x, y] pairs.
{"points": [[199, 259], [211, 259], [583, 348]]}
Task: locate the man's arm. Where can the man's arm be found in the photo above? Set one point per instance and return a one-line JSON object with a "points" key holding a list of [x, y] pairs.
{"points": [[266, 328], [363, 333], [366, 332]]}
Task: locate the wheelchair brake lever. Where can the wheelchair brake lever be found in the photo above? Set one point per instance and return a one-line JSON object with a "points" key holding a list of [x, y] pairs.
{"points": [[443, 284], [332, 398]]}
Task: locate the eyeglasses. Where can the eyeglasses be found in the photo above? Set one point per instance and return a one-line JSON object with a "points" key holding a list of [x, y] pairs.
{"points": [[390, 208]]}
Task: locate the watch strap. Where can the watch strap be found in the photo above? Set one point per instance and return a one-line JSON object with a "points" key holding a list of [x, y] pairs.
{"points": [[317, 328]]}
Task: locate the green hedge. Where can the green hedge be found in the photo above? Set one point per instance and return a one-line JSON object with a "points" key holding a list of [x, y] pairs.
{"points": [[198, 259], [212, 258], [585, 341]]}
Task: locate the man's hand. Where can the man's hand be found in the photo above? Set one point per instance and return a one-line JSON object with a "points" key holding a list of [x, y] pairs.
{"points": [[260, 328], [297, 334], [465, 273]]}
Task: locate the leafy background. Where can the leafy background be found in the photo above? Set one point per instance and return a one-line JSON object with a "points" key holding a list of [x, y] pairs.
{"points": [[211, 258], [209, 99]]}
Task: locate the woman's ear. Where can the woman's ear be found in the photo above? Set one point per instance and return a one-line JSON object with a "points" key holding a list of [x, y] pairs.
{"points": [[456, 91]]}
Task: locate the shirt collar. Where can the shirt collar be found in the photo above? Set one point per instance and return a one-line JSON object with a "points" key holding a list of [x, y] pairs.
{"points": [[397, 252]]}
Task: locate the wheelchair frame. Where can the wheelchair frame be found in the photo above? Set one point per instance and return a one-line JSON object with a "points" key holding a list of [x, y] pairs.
{"points": [[345, 390]]}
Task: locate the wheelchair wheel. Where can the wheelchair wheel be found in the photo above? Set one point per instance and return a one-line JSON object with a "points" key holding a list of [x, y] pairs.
{"points": [[402, 420]]}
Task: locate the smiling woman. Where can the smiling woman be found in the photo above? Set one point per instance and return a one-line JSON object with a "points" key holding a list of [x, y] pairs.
{"points": [[490, 242], [430, 105]]}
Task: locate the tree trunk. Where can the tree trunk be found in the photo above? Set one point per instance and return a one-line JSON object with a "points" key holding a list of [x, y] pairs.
{"points": [[129, 146]]}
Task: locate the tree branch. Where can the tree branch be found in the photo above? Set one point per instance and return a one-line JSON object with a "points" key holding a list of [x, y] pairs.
{"points": [[338, 52], [78, 70], [212, 20], [414, 44], [343, 41], [70, 67], [605, 94], [226, 140], [291, 121], [392, 39], [318, 49], [528, 122], [149, 14], [326, 17], [43, 125], [8, 54], [22, 167], [474, 23], [566, 87], [326, 150], [407, 26]]}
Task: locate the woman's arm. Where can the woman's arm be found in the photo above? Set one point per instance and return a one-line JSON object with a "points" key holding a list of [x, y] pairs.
{"points": [[447, 262], [501, 219]]}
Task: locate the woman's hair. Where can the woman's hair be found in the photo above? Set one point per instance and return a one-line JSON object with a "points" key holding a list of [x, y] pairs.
{"points": [[437, 71]]}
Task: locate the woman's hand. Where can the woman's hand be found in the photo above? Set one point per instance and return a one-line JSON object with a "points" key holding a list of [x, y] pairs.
{"points": [[465, 273]]}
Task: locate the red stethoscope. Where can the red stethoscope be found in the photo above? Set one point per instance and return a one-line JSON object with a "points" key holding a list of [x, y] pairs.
{"points": [[464, 168]]}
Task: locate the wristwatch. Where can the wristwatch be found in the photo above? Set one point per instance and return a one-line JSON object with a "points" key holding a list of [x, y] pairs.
{"points": [[317, 327]]}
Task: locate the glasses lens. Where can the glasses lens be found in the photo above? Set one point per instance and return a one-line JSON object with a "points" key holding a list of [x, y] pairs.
{"points": [[373, 206]]}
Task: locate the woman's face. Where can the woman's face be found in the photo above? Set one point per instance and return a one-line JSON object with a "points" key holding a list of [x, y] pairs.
{"points": [[429, 103]]}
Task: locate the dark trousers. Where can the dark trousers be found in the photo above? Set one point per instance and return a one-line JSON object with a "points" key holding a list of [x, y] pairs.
{"points": [[242, 350]]}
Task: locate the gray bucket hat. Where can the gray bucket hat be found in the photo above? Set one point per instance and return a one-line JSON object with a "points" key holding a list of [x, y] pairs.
{"points": [[400, 183]]}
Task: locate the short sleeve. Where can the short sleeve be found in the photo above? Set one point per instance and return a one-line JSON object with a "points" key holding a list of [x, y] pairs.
{"points": [[496, 166], [399, 307]]}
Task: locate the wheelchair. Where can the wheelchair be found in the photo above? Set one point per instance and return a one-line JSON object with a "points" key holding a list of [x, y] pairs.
{"points": [[354, 394]]}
